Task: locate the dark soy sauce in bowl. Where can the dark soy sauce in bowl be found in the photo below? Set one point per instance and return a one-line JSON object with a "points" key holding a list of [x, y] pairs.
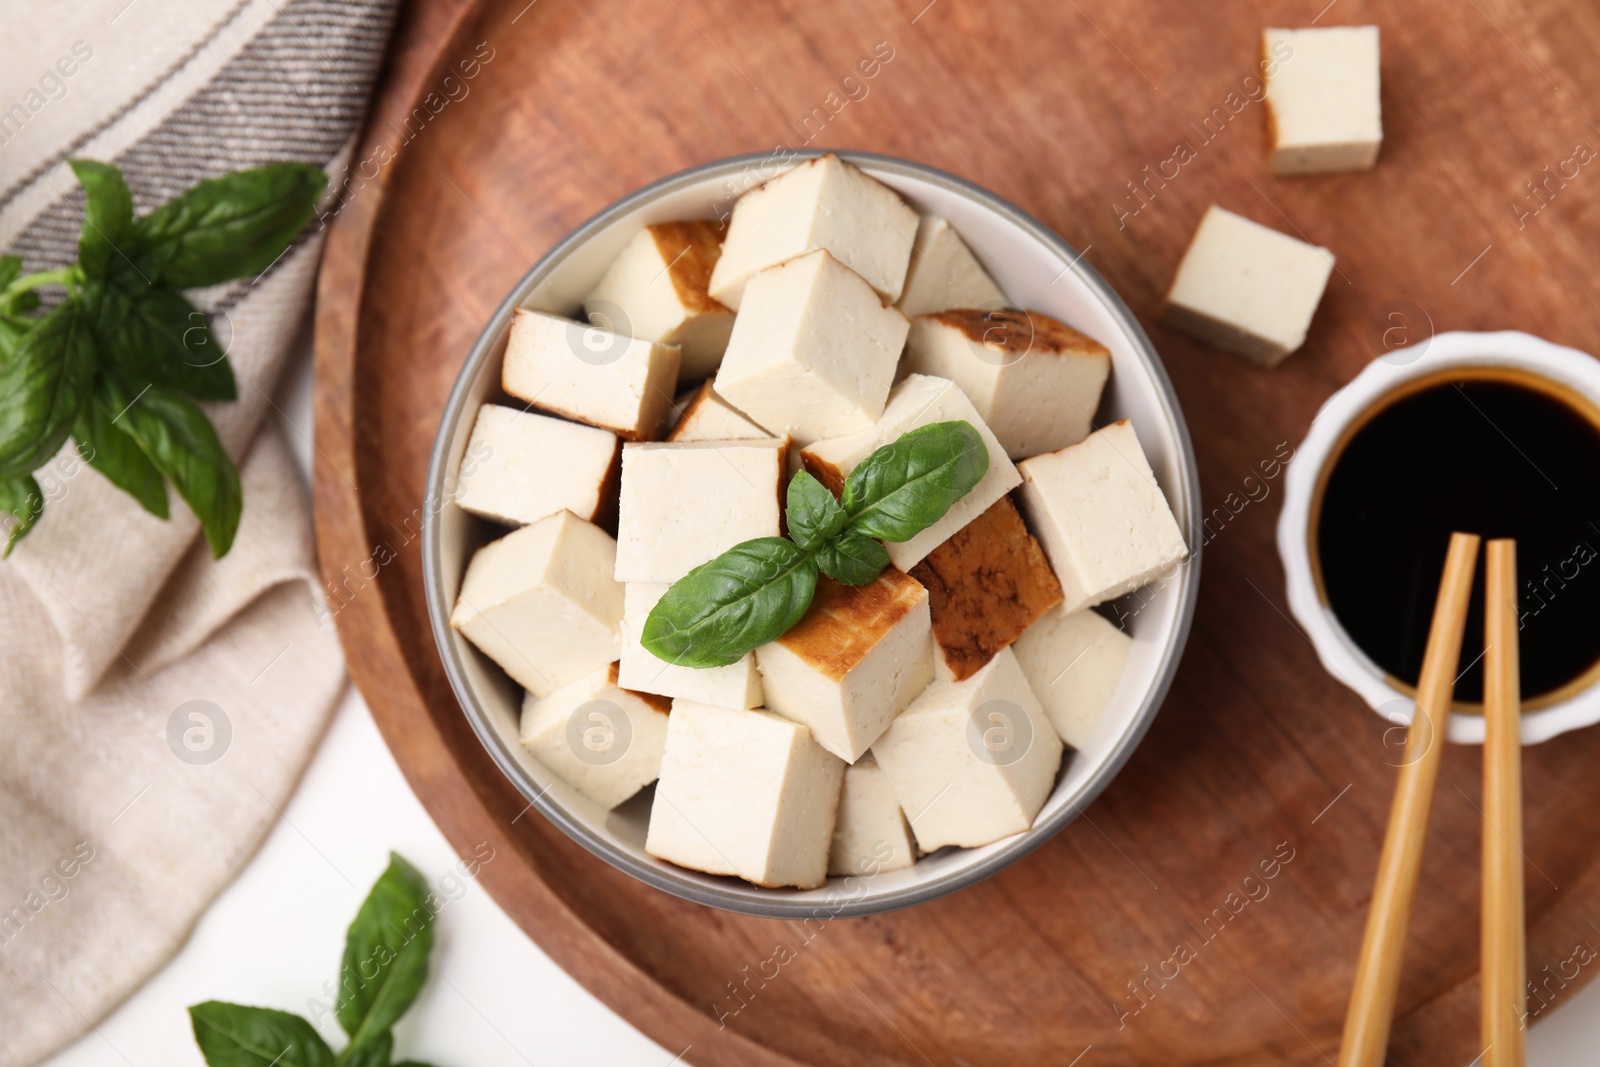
{"points": [[1494, 455]]}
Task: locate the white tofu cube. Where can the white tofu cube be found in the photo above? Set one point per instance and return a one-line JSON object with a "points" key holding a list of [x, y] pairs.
{"points": [[1247, 289], [606, 379], [655, 290], [856, 658], [599, 738], [944, 273], [871, 834], [972, 761], [499, 478], [1102, 519], [686, 503], [813, 351], [744, 793], [1035, 380], [917, 401], [738, 685], [541, 602], [708, 417], [1323, 111], [822, 203], [1072, 661]]}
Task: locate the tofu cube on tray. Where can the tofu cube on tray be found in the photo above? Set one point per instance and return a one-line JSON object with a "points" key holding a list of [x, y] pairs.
{"points": [[1323, 108], [871, 834], [738, 685], [1073, 661], [602, 740], [944, 273], [705, 416], [495, 482]]}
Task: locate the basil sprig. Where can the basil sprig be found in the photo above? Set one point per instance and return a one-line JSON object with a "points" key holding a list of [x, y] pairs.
{"points": [[121, 362], [754, 592]]}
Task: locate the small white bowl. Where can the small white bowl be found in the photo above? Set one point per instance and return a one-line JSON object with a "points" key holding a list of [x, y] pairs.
{"points": [[1039, 271], [1568, 370]]}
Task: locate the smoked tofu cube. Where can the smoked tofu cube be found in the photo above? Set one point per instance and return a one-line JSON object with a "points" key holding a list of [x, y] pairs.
{"points": [[972, 761], [541, 602], [655, 290], [1101, 517], [813, 351], [708, 417], [1072, 661], [1035, 380], [599, 738], [917, 401], [871, 834], [1323, 110], [745, 793], [684, 504], [822, 203], [985, 586], [499, 480], [858, 655], [738, 685], [1247, 289], [944, 273], [606, 379]]}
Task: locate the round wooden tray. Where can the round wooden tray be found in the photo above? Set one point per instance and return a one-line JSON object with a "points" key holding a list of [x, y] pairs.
{"points": [[1148, 931]]}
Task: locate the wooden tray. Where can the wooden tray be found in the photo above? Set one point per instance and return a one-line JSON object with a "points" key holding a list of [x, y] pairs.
{"points": [[1133, 933]]}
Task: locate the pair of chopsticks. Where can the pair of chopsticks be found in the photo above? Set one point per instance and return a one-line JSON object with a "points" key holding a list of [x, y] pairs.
{"points": [[1372, 1001]]}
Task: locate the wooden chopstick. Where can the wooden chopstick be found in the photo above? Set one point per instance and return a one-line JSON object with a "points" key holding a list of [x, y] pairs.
{"points": [[1504, 952], [1366, 1026]]}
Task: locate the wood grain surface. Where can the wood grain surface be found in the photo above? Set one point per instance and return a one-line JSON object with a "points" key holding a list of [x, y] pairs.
{"points": [[1208, 907]]}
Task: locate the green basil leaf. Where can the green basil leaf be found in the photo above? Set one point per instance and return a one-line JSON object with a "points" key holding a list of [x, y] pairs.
{"points": [[115, 454], [10, 270], [749, 595], [374, 1052], [157, 337], [907, 485], [234, 1035], [230, 227], [812, 513], [42, 386], [385, 953], [12, 331], [22, 499], [107, 216], [852, 559], [182, 445]]}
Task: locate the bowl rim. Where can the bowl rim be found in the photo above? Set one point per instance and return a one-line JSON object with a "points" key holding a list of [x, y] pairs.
{"points": [[754, 900]]}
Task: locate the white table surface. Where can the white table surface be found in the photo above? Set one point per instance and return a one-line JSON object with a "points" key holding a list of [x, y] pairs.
{"points": [[493, 998]]}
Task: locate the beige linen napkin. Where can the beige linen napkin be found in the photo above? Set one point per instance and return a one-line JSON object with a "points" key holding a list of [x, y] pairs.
{"points": [[156, 708]]}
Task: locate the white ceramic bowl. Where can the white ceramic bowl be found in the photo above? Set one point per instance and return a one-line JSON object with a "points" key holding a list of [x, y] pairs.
{"points": [[1039, 271], [1574, 373]]}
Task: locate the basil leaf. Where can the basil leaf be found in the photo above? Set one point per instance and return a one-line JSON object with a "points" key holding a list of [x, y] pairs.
{"points": [[177, 438], [234, 1035], [10, 270], [12, 331], [812, 513], [22, 499], [371, 1053], [230, 227], [749, 595], [107, 216], [42, 386], [117, 455], [157, 337], [852, 559], [907, 485], [385, 953]]}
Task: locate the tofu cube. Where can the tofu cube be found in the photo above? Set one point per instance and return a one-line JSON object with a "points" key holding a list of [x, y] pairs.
{"points": [[599, 738], [822, 203], [1323, 111], [684, 504], [917, 401], [738, 685], [871, 834], [944, 273], [985, 586], [972, 761], [813, 351], [541, 602], [498, 476], [1104, 522], [708, 417], [655, 290], [606, 379], [1247, 289], [1035, 380], [857, 657], [745, 793], [1072, 661]]}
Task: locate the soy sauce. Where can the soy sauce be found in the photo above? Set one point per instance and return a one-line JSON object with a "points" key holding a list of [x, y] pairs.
{"points": [[1485, 456]]}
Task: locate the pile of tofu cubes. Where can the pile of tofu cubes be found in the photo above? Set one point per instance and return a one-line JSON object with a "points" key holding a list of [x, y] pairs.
{"points": [[928, 708]]}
